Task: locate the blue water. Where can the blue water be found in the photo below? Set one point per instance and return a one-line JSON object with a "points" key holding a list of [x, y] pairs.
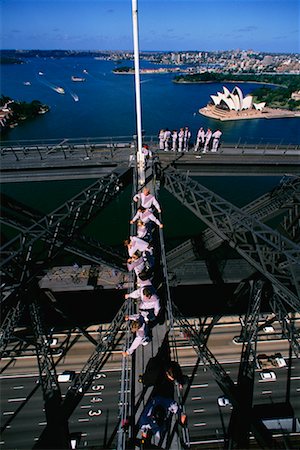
{"points": [[106, 105]]}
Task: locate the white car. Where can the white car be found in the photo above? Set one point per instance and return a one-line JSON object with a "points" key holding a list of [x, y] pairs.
{"points": [[280, 361], [267, 375], [223, 401], [67, 375], [52, 342], [269, 329]]}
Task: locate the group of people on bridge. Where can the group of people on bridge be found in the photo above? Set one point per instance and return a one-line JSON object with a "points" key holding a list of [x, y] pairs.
{"points": [[141, 260], [180, 141], [160, 371]]}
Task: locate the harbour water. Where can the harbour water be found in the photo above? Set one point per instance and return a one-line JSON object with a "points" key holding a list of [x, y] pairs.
{"points": [[105, 107]]}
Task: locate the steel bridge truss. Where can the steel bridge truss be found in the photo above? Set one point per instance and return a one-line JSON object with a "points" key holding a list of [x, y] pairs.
{"points": [[9, 323], [239, 427], [276, 257], [283, 197], [48, 376], [226, 384], [86, 247], [43, 240], [94, 364], [289, 331]]}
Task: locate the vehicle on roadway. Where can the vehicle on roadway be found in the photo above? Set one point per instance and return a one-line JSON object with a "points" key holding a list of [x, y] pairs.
{"points": [[67, 375], [52, 342], [223, 401], [267, 375], [270, 361], [269, 329]]}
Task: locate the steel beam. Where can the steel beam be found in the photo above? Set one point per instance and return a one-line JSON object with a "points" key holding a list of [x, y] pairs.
{"points": [[47, 237], [226, 384], [276, 257], [240, 422]]}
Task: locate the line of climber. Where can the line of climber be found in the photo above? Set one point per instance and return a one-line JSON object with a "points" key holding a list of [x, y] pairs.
{"points": [[141, 260], [161, 372]]}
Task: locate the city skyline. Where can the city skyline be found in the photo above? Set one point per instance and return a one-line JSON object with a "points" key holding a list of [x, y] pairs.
{"points": [[164, 25]]}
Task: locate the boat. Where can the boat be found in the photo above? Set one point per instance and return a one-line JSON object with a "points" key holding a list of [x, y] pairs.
{"points": [[27, 83], [59, 89], [41, 73], [85, 71], [73, 78]]}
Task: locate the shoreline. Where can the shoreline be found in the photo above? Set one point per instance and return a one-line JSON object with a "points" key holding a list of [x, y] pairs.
{"points": [[228, 81], [148, 71], [268, 113]]}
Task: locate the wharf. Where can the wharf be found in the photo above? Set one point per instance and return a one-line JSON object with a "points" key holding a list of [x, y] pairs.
{"points": [[66, 161]]}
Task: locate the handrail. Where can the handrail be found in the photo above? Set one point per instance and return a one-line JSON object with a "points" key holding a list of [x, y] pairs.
{"points": [[151, 140]]}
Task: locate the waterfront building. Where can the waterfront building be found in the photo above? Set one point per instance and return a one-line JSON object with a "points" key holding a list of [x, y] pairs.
{"points": [[235, 101]]}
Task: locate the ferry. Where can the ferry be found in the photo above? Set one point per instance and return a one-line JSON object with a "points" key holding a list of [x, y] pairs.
{"points": [[59, 89], [73, 78]]}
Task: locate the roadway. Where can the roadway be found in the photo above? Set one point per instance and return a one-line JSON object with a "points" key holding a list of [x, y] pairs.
{"points": [[97, 414]]}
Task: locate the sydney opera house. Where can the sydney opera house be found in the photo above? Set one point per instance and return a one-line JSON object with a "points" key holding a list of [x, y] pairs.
{"points": [[235, 101], [233, 105]]}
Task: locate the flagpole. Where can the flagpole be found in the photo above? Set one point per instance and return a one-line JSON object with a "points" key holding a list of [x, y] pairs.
{"points": [[140, 155]]}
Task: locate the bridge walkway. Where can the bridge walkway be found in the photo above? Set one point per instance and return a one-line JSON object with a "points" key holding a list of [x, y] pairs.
{"points": [[68, 159]]}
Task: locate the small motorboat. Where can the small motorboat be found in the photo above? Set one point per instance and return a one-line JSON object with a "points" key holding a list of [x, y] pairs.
{"points": [[59, 89]]}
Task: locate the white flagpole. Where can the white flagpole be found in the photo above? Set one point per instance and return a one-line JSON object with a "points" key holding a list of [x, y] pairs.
{"points": [[140, 155]]}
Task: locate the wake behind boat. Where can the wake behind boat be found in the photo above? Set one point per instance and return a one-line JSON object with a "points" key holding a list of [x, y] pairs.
{"points": [[75, 97]]}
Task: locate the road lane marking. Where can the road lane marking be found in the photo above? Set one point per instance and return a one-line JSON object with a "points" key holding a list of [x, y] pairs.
{"points": [[295, 378], [212, 441], [42, 423], [18, 387], [266, 392], [94, 394], [21, 399], [199, 410], [267, 381], [199, 386], [85, 406], [29, 375], [8, 413], [200, 424], [196, 398], [83, 420]]}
